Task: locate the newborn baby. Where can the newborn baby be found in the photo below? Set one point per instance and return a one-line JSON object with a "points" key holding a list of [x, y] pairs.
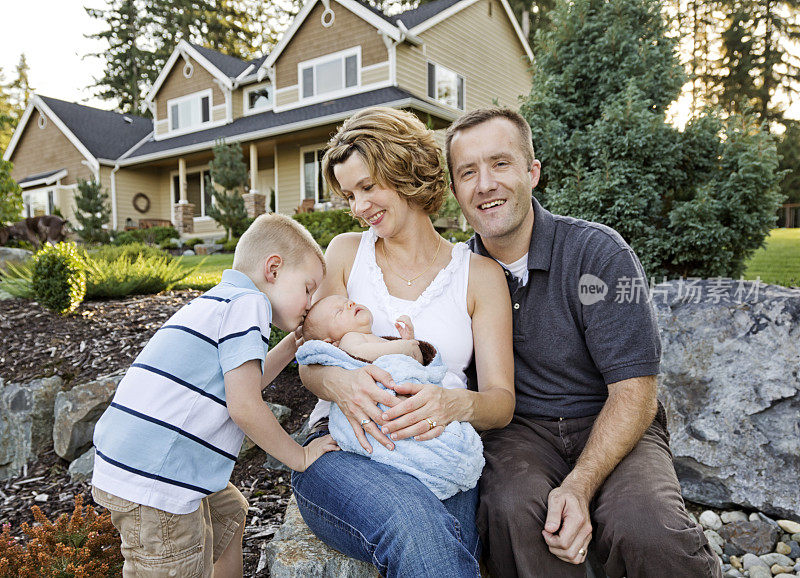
{"points": [[338, 333]]}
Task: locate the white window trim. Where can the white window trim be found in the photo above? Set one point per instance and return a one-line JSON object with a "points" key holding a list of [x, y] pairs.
{"points": [[190, 171], [50, 191], [356, 50], [318, 162], [178, 100], [436, 100], [246, 93]]}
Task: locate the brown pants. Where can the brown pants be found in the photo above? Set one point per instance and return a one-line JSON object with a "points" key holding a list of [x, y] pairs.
{"points": [[640, 527]]}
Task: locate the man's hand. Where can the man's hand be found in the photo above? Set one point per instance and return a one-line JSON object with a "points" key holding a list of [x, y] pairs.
{"points": [[568, 529]]}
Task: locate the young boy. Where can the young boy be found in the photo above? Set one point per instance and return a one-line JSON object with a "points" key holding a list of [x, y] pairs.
{"points": [[166, 446]]}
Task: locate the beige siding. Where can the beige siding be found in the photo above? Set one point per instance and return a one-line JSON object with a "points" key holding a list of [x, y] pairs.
{"points": [[313, 40], [286, 97], [129, 182], [288, 178], [375, 75], [178, 85], [40, 150], [484, 49], [238, 102], [218, 113], [162, 126]]}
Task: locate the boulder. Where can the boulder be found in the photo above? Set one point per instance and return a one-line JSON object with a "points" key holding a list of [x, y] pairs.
{"points": [[730, 382], [77, 412], [281, 413], [14, 256], [26, 422], [82, 468], [755, 537], [207, 248], [295, 552]]}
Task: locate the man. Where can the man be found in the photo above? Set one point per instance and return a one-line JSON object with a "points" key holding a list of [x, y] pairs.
{"points": [[586, 456]]}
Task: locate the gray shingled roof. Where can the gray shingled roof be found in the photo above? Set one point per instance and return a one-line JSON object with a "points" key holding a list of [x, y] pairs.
{"points": [[422, 13], [106, 134], [230, 66], [38, 176], [271, 120]]}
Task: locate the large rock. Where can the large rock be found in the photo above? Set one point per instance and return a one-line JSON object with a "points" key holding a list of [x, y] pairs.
{"points": [[77, 412], [81, 468], [731, 386], [14, 256], [295, 552], [26, 422], [755, 537]]}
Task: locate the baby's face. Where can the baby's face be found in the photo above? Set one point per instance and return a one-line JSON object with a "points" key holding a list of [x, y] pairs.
{"points": [[339, 316]]}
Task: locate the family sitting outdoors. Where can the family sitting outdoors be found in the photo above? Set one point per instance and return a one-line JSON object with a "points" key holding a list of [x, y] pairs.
{"points": [[416, 346]]}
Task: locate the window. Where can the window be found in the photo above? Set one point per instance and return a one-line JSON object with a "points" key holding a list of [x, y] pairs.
{"points": [[258, 97], [189, 111], [38, 203], [330, 74], [197, 192], [314, 185], [445, 86]]}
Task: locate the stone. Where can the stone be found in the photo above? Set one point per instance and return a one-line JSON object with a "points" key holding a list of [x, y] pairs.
{"points": [[785, 575], [789, 526], [188, 253], [760, 572], [81, 469], [731, 395], [774, 558], [710, 520], [756, 537], [735, 516], [77, 412], [13, 256], [736, 562], [26, 422], [750, 561], [715, 541], [281, 413], [778, 569], [733, 573], [783, 548], [207, 248], [794, 552], [732, 549], [796, 537], [295, 552], [41, 498]]}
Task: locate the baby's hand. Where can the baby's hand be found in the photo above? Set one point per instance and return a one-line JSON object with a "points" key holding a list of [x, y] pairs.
{"points": [[316, 448], [412, 349], [404, 327]]}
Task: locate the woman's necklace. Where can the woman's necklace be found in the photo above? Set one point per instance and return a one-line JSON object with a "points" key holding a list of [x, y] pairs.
{"points": [[410, 281]]}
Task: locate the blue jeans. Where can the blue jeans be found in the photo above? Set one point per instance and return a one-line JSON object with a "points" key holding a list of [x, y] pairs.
{"points": [[378, 514]]}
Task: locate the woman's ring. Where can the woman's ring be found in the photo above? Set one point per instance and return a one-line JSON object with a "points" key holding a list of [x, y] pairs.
{"points": [[582, 552], [431, 423], [365, 421]]}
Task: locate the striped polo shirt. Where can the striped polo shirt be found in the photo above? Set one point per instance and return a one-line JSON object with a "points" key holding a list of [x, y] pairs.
{"points": [[167, 439]]}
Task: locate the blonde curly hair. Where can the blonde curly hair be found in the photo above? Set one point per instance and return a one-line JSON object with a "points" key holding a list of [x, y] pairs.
{"points": [[399, 151]]}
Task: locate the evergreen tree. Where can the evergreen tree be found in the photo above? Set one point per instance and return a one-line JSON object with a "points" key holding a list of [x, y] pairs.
{"points": [[92, 211], [21, 87], [229, 172], [10, 195], [789, 150], [692, 203], [8, 115]]}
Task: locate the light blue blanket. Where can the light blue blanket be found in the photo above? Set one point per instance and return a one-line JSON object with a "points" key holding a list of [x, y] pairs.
{"points": [[447, 464]]}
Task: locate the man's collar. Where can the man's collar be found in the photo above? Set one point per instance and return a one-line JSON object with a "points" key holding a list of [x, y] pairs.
{"points": [[238, 279], [540, 250]]}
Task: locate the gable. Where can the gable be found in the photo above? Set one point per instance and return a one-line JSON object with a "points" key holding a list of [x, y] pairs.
{"points": [[176, 84], [45, 149], [313, 40]]}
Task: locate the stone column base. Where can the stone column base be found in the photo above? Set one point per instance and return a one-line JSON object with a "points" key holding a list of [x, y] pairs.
{"points": [[184, 217], [255, 204]]}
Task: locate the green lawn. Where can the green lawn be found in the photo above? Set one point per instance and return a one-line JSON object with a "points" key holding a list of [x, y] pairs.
{"points": [[209, 270], [779, 262]]}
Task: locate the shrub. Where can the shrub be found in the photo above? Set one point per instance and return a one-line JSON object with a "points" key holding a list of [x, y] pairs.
{"points": [[143, 275], [10, 195], [17, 280], [192, 242], [325, 225], [58, 277], [229, 246], [85, 544], [151, 236], [458, 236], [130, 252], [229, 171], [91, 211]]}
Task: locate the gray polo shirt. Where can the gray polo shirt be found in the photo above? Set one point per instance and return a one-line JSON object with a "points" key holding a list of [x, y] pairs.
{"points": [[584, 319]]}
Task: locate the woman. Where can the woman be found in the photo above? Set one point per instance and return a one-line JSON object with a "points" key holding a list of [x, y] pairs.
{"points": [[386, 164]]}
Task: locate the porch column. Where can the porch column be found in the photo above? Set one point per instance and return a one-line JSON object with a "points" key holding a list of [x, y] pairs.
{"points": [[254, 202], [184, 210]]}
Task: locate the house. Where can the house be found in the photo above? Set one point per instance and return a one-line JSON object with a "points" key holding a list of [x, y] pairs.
{"points": [[338, 56]]}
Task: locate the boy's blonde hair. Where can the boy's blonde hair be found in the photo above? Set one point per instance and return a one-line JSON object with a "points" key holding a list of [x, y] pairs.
{"points": [[399, 151], [273, 233]]}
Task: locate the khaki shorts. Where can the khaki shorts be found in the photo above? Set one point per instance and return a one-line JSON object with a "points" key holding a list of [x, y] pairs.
{"points": [[158, 543]]}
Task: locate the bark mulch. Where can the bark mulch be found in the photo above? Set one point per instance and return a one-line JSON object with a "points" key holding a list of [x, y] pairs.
{"points": [[100, 338]]}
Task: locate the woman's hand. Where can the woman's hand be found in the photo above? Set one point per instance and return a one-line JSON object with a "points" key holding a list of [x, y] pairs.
{"points": [[424, 415]]}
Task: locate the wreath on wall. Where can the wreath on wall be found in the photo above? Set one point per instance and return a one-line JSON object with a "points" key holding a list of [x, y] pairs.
{"points": [[141, 202]]}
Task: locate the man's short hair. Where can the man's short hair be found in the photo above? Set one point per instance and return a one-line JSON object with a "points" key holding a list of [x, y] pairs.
{"points": [[273, 233], [482, 115], [400, 152]]}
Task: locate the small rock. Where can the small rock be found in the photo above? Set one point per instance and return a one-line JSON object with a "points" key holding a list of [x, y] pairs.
{"points": [[760, 572], [692, 517], [773, 558], [715, 541], [753, 517], [710, 520], [41, 498], [778, 569], [732, 549], [785, 575], [789, 526], [796, 537], [733, 573], [81, 468], [188, 253], [767, 519], [750, 561], [756, 536], [737, 516], [736, 562], [783, 548], [794, 550]]}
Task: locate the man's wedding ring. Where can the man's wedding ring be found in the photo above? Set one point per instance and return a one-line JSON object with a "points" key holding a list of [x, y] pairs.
{"points": [[365, 421], [431, 423], [582, 552]]}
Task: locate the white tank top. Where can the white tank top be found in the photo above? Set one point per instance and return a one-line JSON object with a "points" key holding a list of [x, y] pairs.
{"points": [[439, 315]]}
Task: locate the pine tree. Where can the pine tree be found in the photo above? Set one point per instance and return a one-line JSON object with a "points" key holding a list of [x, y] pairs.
{"points": [[92, 211], [21, 87], [691, 203], [229, 171], [10, 195], [8, 115], [789, 150]]}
